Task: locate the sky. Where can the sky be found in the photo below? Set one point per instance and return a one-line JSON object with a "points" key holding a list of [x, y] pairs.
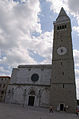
{"points": [[26, 32]]}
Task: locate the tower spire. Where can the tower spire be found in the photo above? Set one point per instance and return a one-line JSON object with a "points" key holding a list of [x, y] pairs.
{"points": [[62, 16], [62, 12]]}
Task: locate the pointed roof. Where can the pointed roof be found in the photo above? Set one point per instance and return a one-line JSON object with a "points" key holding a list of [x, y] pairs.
{"points": [[62, 16], [62, 12]]}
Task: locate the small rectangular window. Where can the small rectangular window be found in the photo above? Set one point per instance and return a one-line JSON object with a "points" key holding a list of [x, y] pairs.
{"points": [[57, 27], [62, 73], [63, 85], [65, 26], [61, 63], [0, 85], [62, 26], [2, 79], [2, 92]]}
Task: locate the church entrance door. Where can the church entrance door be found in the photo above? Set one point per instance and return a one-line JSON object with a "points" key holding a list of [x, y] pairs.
{"points": [[31, 100], [61, 107]]}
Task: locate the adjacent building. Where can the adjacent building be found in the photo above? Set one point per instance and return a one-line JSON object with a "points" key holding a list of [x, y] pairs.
{"points": [[4, 81]]}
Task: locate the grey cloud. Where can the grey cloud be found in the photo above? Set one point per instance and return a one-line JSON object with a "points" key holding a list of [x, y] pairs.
{"points": [[74, 5], [17, 21]]}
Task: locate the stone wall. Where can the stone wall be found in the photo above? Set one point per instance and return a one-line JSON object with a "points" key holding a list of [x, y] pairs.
{"points": [[21, 85]]}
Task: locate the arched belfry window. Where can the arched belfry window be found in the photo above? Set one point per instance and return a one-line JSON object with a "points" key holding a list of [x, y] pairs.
{"points": [[60, 27]]}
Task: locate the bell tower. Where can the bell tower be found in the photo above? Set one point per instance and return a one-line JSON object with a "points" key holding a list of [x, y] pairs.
{"points": [[63, 89]]}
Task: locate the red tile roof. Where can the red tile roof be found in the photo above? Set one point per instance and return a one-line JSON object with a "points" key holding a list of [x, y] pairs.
{"points": [[4, 76]]}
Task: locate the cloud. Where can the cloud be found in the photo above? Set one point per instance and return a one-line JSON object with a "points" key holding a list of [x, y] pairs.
{"points": [[57, 4], [4, 71], [76, 60], [70, 6], [77, 73], [77, 87], [43, 46], [75, 5], [76, 28], [66, 4], [17, 23], [18, 56], [76, 57], [74, 11]]}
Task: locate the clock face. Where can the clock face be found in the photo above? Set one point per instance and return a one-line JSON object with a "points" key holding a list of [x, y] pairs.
{"points": [[61, 50]]}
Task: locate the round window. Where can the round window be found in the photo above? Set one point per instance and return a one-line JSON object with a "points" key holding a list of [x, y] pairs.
{"points": [[34, 77]]}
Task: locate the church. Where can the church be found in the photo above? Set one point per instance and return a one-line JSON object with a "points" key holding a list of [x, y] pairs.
{"points": [[48, 85]]}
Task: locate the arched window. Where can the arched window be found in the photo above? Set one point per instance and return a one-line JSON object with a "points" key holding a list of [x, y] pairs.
{"points": [[32, 92]]}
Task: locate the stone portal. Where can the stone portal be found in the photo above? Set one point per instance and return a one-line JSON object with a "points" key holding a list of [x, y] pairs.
{"points": [[31, 100]]}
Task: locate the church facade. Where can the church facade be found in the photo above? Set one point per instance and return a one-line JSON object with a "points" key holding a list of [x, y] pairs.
{"points": [[45, 85], [30, 85]]}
